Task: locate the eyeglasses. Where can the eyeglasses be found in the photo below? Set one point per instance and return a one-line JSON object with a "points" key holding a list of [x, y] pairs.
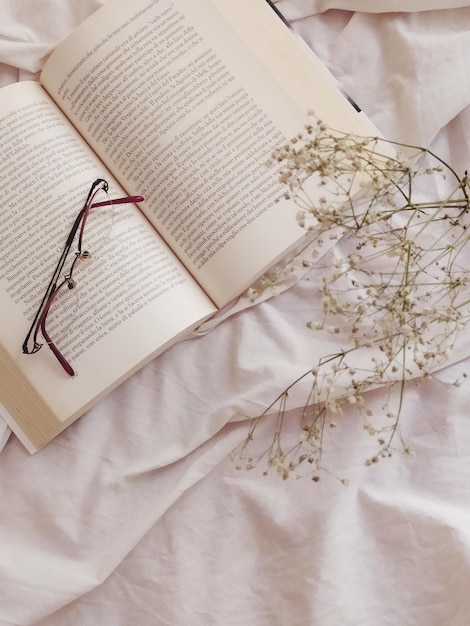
{"points": [[31, 344]]}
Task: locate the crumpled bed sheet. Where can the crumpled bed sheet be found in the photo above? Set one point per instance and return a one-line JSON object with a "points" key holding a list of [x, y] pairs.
{"points": [[136, 517]]}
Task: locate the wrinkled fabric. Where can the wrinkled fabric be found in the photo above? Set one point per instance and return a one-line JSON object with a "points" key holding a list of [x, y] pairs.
{"points": [[135, 515], [304, 8]]}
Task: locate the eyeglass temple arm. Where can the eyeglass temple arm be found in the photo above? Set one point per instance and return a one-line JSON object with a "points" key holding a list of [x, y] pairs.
{"points": [[93, 205], [42, 324], [57, 353], [52, 286], [125, 200]]}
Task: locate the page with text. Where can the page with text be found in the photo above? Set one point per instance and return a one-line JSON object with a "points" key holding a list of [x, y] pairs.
{"points": [[132, 296], [178, 106]]}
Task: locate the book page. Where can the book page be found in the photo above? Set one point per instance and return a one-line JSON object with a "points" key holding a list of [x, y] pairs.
{"points": [[185, 101], [132, 296]]}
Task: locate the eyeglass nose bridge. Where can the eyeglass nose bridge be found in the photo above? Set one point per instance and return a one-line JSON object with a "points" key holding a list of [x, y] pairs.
{"points": [[71, 283]]}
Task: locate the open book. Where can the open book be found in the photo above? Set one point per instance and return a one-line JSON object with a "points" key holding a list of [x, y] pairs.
{"points": [[181, 102]]}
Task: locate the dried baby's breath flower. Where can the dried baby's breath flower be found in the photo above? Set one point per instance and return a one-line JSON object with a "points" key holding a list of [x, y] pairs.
{"points": [[399, 289]]}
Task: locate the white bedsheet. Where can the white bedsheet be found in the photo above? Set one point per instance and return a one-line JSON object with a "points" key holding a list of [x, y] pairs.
{"points": [[135, 517]]}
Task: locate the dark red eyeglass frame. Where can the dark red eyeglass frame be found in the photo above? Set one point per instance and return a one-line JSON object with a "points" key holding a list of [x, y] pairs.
{"points": [[39, 322]]}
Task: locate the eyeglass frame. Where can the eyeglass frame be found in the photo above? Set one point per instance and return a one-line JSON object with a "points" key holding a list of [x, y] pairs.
{"points": [[53, 289]]}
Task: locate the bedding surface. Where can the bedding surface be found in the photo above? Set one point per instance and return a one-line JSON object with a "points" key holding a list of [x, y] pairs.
{"points": [[136, 516]]}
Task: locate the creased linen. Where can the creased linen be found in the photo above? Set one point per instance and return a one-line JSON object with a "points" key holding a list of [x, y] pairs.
{"points": [[305, 8], [134, 515]]}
